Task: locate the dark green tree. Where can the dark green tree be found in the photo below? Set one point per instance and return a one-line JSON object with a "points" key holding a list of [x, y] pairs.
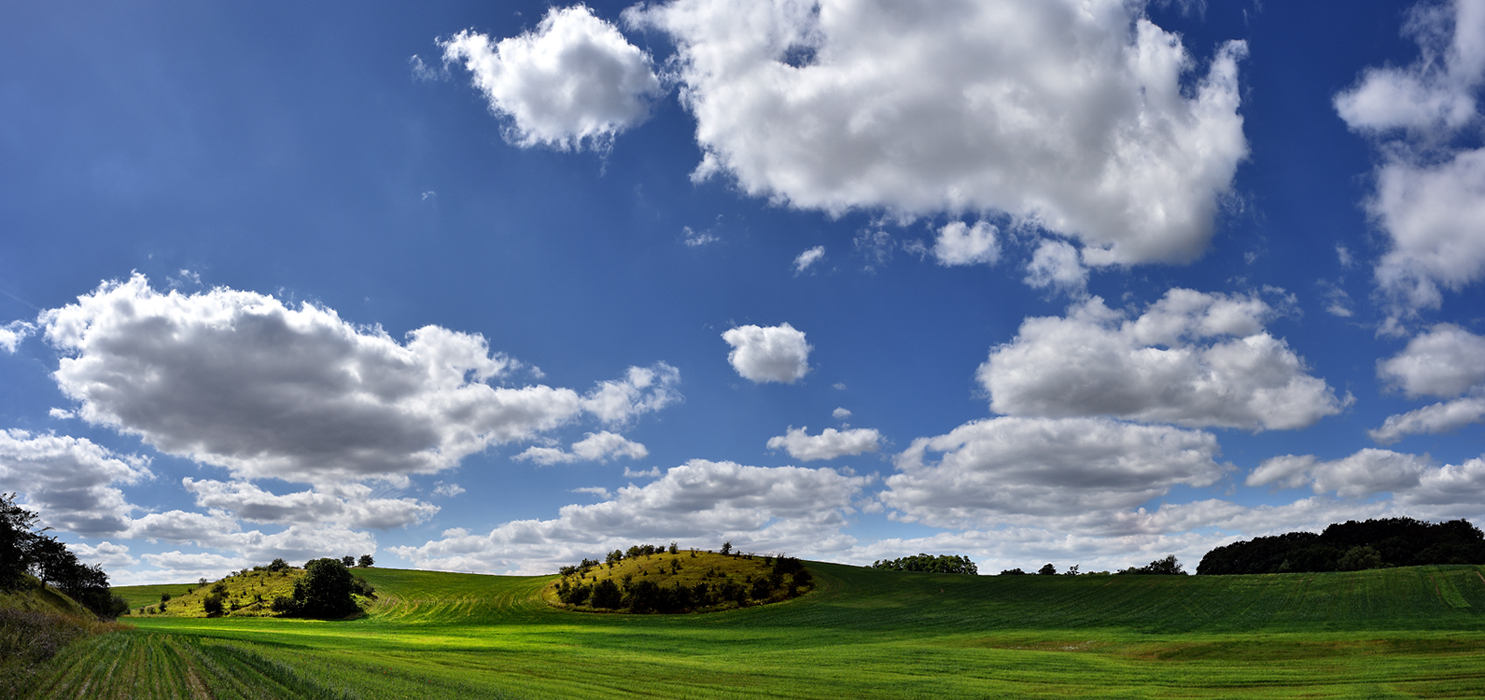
{"points": [[1047, 569], [324, 590], [16, 524], [365, 562]]}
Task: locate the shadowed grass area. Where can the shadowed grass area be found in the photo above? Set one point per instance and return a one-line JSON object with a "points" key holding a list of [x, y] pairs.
{"points": [[1415, 632]]}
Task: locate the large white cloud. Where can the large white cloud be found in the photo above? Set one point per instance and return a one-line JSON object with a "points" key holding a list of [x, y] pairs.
{"points": [[70, 481], [1430, 197], [700, 504], [238, 380], [768, 354], [1441, 417], [1412, 480], [1192, 358], [1071, 113], [992, 470], [574, 80], [356, 508], [829, 444]]}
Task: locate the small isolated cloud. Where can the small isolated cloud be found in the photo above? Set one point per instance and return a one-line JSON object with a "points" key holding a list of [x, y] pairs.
{"points": [[448, 490], [1192, 358], [650, 473], [238, 380], [961, 244], [840, 414], [11, 334], [807, 258], [594, 447], [699, 503], [575, 80], [71, 481], [424, 72], [1055, 264], [61, 413], [768, 354], [829, 444], [1338, 302], [694, 238], [1084, 118], [990, 470], [1430, 197]]}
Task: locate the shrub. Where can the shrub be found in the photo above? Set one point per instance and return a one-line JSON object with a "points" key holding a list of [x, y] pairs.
{"points": [[212, 604], [1047, 570], [325, 589]]}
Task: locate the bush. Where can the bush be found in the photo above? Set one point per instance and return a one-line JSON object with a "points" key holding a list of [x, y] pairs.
{"points": [[941, 564], [365, 562], [1047, 570], [212, 604]]}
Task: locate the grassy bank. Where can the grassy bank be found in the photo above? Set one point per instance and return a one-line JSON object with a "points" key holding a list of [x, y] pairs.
{"points": [[1416, 632]]}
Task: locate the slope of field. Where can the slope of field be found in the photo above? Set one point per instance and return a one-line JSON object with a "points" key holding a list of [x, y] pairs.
{"points": [[35, 624], [1416, 632]]}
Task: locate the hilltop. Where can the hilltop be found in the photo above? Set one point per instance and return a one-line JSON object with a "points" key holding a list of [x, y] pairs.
{"points": [[263, 591], [654, 579]]}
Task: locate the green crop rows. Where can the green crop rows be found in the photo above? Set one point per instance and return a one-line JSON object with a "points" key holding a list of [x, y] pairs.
{"points": [[1414, 632]]}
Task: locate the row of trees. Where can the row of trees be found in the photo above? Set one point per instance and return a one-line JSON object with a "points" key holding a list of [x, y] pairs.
{"points": [[1352, 546], [24, 550], [1169, 566], [940, 564]]}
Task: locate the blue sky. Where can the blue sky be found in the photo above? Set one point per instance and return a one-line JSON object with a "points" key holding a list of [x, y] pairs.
{"points": [[497, 287]]}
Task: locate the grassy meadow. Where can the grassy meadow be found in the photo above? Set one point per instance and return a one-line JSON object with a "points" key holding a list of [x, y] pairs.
{"points": [[1410, 632]]}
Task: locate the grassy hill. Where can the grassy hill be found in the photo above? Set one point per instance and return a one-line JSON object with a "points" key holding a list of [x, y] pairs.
{"points": [[1414, 632], [36, 624]]}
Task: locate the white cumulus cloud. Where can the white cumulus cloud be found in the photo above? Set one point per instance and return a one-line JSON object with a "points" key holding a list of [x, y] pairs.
{"points": [[961, 244], [1445, 361], [829, 444], [354, 507], [238, 380], [768, 354], [1192, 358], [70, 481], [1069, 113], [807, 258], [1412, 480], [594, 447], [1056, 264], [574, 80], [991, 470], [700, 504], [1430, 199]]}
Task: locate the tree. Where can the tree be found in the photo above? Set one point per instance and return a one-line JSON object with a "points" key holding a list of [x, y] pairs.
{"points": [[727, 547], [348, 561], [1047, 570], [16, 524], [365, 562], [324, 590]]}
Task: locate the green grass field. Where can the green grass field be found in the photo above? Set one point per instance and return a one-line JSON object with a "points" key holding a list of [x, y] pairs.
{"points": [[1415, 632]]}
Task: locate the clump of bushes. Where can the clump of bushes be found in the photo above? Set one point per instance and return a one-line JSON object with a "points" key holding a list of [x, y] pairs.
{"points": [[779, 578], [1352, 546], [940, 564]]}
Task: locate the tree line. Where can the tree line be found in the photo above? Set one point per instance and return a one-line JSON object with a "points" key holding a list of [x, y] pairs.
{"points": [[26, 551], [940, 564], [1352, 546]]}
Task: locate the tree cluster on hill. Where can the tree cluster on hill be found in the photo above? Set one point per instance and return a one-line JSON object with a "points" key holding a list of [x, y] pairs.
{"points": [[325, 590], [785, 578], [1352, 546], [940, 564], [27, 550]]}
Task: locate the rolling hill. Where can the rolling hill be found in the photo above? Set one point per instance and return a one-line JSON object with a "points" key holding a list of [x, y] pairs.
{"points": [[1407, 632]]}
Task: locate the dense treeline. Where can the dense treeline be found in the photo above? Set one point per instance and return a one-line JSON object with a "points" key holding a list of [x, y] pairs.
{"points": [[26, 550], [779, 578], [1352, 546], [940, 564]]}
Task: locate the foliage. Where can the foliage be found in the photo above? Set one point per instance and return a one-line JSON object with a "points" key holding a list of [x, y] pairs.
{"points": [[365, 562], [1012, 572], [1394, 541], [940, 564], [1169, 566], [651, 579], [1047, 570], [16, 537], [325, 589]]}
